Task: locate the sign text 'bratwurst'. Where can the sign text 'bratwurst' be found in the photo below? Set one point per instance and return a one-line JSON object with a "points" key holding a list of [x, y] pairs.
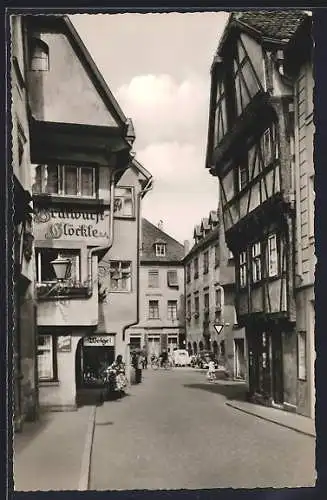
{"points": [[65, 224]]}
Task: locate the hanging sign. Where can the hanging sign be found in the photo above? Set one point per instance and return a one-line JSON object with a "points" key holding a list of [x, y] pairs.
{"points": [[64, 224], [99, 341], [64, 344]]}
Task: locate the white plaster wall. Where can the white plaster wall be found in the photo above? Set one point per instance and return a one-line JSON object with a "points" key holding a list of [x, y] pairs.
{"points": [[63, 393]]}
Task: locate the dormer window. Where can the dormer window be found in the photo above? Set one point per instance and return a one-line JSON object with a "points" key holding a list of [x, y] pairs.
{"points": [[160, 249], [39, 55]]}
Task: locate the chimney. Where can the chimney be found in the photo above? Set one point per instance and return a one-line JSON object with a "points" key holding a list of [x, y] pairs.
{"points": [[160, 225], [186, 247]]}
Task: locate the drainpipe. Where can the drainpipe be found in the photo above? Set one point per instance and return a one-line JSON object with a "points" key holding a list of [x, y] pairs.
{"points": [[111, 231], [299, 270], [147, 188]]}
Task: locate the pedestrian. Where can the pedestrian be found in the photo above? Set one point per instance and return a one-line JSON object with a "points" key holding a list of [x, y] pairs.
{"points": [[211, 373]]}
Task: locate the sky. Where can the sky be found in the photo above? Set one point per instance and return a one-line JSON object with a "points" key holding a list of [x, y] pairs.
{"points": [[158, 68]]}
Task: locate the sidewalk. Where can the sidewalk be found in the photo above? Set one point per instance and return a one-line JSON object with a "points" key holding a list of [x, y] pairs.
{"points": [[287, 419], [54, 453]]}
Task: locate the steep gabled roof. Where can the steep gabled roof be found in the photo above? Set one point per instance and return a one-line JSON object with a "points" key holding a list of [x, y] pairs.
{"points": [[197, 231], [213, 217], [145, 175], [205, 224], [62, 24], [152, 234], [276, 24]]}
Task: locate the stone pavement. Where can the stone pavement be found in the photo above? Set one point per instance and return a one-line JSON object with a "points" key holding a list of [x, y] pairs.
{"points": [[286, 419], [236, 399], [54, 453]]}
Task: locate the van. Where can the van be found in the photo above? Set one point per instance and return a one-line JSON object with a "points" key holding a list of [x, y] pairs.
{"points": [[181, 357]]}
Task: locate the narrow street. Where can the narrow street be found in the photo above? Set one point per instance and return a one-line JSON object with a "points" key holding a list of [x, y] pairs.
{"points": [[174, 431]]}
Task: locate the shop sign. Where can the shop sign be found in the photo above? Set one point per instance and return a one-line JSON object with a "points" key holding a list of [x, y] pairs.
{"points": [[64, 344], [99, 341], [51, 224]]}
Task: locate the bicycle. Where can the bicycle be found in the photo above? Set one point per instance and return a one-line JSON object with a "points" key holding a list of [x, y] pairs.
{"points": [[155, 364]]}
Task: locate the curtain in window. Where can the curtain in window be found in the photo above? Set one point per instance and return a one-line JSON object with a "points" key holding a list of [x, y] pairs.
{"points": [[153, 279], [45, 357], [70, 181], [172, 278], [52, 180], [86, 181]]}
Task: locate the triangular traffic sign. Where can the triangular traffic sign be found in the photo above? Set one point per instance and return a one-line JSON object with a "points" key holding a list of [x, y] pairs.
{"points": [[218, 328]]}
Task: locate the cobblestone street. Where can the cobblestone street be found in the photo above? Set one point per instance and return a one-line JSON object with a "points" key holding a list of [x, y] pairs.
{"points": [[174, 431]]}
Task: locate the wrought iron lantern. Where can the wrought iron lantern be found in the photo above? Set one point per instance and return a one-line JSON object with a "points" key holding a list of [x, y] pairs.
{"points": [[61, 267]]}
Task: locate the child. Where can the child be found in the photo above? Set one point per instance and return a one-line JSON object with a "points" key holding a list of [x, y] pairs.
{"points": [[211, 374]]}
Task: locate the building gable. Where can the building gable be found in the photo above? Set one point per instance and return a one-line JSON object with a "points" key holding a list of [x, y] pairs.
{"points": [[69, 89]]}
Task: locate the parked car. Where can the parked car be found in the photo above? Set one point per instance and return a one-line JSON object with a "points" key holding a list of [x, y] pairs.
{"points": [[181, 357]]}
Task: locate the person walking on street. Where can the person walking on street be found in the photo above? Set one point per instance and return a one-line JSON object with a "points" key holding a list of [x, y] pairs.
{"points": [[211, 373]]}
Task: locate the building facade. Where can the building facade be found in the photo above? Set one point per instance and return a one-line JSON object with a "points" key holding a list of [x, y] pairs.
{"points": [[299, 67], [25, 399], [250, 149], [161, 321], [209, 298], [87, 190]]}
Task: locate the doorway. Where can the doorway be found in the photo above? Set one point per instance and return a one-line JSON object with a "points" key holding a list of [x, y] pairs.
{"points": [[277, 367], [154, 346], [89, 362], [239, 359]]}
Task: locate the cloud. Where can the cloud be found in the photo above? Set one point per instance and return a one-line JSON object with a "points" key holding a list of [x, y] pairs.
{"points": [[170, 120], [164, 110], [183, 192]]}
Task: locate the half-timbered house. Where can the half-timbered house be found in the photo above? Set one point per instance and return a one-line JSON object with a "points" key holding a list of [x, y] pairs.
{"points": [[250, 150]]}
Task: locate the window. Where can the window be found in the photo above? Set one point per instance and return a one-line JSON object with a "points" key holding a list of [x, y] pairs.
{"points": [[120, 276], [256, 262], [218, 301], [217, 255], [269, 146], [206, 262], [39, 55], [311, 205], [243, 270], [124, 202], [65, 180], [302, 365], [196, 308], [153, 278], [196, 267], [272, 256], [172, 309], [44, 269], [242, 177], [135, 343], [160, 249], [153, 309], [206, 302], [188, 273], [172, 280], [188, 309], [46, 357]]}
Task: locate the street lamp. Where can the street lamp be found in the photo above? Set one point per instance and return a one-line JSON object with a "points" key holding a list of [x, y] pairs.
{"points": [[61, 267]]}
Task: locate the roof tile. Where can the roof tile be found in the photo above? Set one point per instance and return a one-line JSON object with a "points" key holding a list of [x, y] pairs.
{"points": [[152, 234], [277, 24]]}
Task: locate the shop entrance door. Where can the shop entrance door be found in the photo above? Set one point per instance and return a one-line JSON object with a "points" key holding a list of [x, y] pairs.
{"points": [[172, 344], [154, 346]]}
